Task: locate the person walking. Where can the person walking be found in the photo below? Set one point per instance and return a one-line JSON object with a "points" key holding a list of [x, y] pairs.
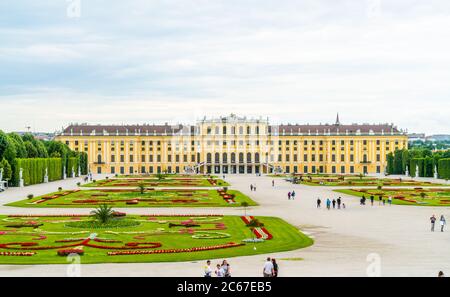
{"points": [[380, 199], [275, 267], [208, 269], [339, 203], [442, 222], [289, 195], [433, 221], [251, 187], [293, 195], [372, 199], [328, 203], [334, 203], [390, 200], [254, 188], [273, 183], [268, 268], [318, 202]]}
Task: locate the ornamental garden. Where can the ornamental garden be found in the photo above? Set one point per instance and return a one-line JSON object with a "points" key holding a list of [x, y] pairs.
{"points": [[109, 236], [337, 180], [159, 182], [406, 196], [138, 198]]}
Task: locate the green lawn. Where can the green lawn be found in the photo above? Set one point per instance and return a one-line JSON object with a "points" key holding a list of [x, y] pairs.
{"points": [[151, 233], [154, 182], [128, 198], [430, 196]]}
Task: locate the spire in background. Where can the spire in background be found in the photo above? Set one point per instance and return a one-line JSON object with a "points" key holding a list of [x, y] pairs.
{"points": [[338, 123]]}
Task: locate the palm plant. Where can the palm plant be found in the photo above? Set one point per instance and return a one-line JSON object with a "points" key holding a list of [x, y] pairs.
{"points": [[103, 213], [141, 187], [160, 176]]}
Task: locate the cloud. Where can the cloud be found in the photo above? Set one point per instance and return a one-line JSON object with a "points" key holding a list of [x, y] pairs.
{"points": [[296, 61]]}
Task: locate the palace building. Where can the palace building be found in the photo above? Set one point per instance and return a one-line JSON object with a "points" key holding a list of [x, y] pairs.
{"points": [[235, 145]]}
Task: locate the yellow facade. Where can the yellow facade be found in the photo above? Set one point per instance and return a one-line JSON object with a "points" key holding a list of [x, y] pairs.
{"points": [[233, 145]]}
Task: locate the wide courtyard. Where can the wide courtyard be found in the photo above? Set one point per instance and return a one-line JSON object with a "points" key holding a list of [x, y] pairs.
{"points": [[347, 242]]}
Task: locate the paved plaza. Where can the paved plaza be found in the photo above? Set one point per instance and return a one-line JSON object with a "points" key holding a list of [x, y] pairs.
{"points": [[347, 242]]}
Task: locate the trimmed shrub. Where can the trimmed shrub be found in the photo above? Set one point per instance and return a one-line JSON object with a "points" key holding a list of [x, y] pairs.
{"points": [[444, 168], [34, 170]]}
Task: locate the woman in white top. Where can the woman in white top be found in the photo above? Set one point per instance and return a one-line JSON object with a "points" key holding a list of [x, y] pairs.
{"points": [[443, 223]]}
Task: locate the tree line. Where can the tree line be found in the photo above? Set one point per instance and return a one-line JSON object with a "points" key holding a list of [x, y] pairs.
{"points": [[18, 151], [423, 159]]}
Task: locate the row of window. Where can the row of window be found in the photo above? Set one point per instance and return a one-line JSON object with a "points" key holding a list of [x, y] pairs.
{"points": [[231, 169]]}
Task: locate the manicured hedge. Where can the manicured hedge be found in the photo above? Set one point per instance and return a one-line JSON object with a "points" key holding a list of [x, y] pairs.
{"points": [[72, 163], [412, 166], [34, 170], [444, 168]]}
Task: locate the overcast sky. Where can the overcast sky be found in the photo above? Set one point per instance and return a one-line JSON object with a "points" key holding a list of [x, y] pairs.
{"points": [[156, 61]]}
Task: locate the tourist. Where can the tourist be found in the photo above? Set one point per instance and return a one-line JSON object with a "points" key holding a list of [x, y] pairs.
{"points": [[254, 188], [289, 195], [273, 183], [363, 200], [268, 268], [380, 198], [318, 202], [328, 203], [372, 199], [218, 271], [384, 202], [251, 187], [208, 269], [293, 195], [339, 203], [275, 267], [334, 203], [441, 274], [226, 269], [442, 222], [433, 221], [390, 200], [343, 205]]}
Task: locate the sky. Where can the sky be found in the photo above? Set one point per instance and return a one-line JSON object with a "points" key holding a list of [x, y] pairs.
{"points": [[176, 61]]}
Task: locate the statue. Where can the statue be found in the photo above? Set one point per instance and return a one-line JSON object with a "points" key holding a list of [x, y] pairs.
{"points": [[73, 172], [46, 175], [407, 171], [1, 178], [436, 174], [417, 170], [21, 182], [64, 172], [79, 170]]}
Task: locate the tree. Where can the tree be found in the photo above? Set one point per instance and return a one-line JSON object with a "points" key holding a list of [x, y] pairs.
{"points": [[103, 213], [7, 171], [7, 148], [31, 150], [19, 145], [141, 187], [160, 176], [244, 204]]}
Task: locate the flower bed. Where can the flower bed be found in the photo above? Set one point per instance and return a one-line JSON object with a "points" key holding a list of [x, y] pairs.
{"points": [[169, 251], [24, 254], [67, 252]]}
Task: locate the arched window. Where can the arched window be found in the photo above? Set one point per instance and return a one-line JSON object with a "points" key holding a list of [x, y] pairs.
{"points": [[256, 157], [248, 130], [217, 158], [208, 157], [233, 130], [224, 158], [241, 157], [99, 159], [249, 157], [257, 130], [224, 130], [365, 158], [217, 130], [233, 158], [241, 130]]}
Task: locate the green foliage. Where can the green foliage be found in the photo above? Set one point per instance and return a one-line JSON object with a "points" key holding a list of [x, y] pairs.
{"points": [[141, 187], [103, 214], [19, 145], [34, 170], [444, 168], [72, 163], [7, 170], [390, 163], [413, 166], [398, 162], [31, 150]]}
